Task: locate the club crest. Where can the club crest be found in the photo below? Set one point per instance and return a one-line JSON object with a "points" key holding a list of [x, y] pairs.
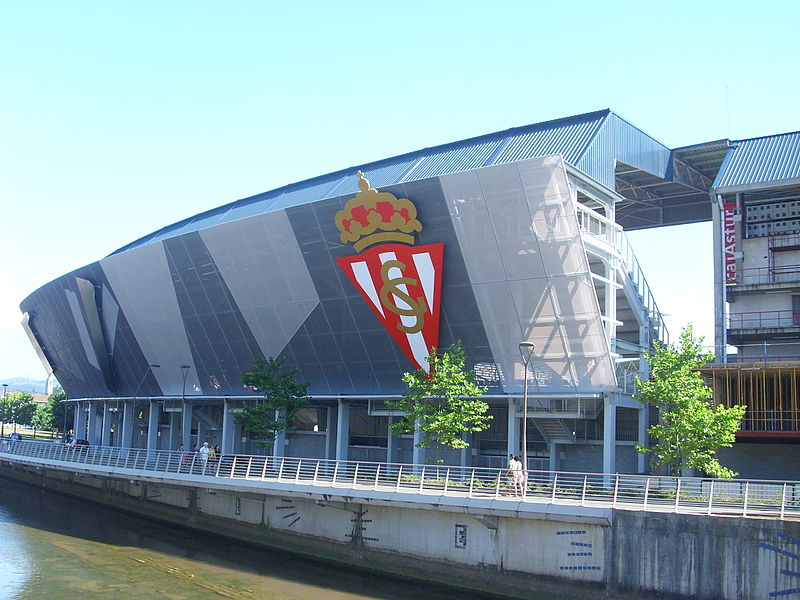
{"points": [[400, 282]]}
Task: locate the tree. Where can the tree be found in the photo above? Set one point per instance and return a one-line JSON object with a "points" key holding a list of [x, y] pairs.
{"points": [[58, 406], [19, 409], [5, 412], [446, 402], [42, 418], [283, 397], [690, 429]]}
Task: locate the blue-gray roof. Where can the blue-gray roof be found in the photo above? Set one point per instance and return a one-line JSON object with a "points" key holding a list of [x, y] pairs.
{"points": [[762, 162], [592, 142]]}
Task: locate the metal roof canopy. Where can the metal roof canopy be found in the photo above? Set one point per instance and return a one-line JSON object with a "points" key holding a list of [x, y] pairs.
{"points": [[681, 198], [760, 163], [663, 186]]}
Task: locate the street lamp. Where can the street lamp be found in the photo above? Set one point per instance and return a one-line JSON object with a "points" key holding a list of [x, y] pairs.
{"points": [[3, 426], [526, 352], [184, 374]]}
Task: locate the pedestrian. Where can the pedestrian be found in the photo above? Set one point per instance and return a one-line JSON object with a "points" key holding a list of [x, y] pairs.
{"points": [[519, 476], [510, 472], [203, 453]]}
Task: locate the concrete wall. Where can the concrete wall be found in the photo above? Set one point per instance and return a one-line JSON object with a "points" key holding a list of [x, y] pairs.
{"points": [[496, 546], [763, 461]]}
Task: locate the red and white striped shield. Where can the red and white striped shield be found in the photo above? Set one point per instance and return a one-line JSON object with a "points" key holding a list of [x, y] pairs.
{"points": [[402, 285]]}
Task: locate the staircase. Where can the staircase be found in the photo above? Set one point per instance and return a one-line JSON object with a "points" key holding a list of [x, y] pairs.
{"points": [[554, 430]]}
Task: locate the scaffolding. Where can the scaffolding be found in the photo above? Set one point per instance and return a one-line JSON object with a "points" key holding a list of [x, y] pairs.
{"points": [[768, 389]]}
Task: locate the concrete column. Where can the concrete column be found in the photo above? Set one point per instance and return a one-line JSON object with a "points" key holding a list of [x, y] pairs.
{"points": [[80, 421], [553, 456], [91, 434], [641, 460], [186, 426], [174, 430], [126, 437], [343, 430], [105, 435], [152, 425], [279, 448], [391, 443], [418, 454], [513, 428], [720, 330], [609, 436], [611, 303], [331, 432], [466, 453], [228, 428]]}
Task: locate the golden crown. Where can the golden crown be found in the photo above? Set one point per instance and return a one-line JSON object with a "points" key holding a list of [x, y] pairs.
{"points": [[370, 211]]}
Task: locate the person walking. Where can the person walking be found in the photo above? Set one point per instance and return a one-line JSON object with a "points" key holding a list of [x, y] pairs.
{"points": [[204, 452]]}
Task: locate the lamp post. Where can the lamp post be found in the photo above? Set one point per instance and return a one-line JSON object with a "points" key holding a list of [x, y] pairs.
{"points": [[184, 374], [525, 351], [3, 426]]}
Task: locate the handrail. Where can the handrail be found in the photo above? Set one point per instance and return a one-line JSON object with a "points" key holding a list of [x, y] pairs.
{"points": [[771, 274], [765, 319], [612, 234], [779, 499]]}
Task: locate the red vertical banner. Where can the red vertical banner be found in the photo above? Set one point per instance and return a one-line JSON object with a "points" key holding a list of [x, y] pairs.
{"points": [[729, 241]]}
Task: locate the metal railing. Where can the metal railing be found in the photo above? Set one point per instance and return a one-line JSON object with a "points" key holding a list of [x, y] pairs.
{"points": [[612, 234], [774, 274], [765, 319], [634, 492]]}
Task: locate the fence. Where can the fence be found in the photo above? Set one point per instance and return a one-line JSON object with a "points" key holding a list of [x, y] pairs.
{"points": [[766, 319], [636, 492]]}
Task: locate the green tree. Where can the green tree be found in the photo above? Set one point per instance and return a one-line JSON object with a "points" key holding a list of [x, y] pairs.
{"points": [[42, 418], [446, 402], [690, 429], [21, 408], [283, 397], [5, 412], [58, 406]]}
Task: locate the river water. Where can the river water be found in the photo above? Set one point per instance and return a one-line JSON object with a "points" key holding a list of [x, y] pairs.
{"points": [[56, 547]]}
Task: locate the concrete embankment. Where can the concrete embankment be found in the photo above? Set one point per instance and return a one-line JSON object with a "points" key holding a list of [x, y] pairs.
{"points": [[503, 547]]}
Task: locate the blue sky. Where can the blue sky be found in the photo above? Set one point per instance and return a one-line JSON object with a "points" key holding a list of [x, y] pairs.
{"points": [[121, 117]]}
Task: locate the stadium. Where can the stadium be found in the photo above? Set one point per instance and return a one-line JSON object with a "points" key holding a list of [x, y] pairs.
{"points": [[355, 276]]}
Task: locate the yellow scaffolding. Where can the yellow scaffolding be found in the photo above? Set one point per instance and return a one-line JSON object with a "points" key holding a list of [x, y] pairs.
{"points": [[768, 389]]}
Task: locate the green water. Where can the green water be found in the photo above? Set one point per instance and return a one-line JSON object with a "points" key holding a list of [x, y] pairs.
{"points": [[55, 547]]}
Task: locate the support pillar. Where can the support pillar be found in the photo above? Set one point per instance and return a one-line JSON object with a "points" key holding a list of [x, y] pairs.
{"points": [[186, 426], [343, 430], [152, 425], [91, 434], [611, 303], [391, 443], [128, 415], [80, 421], [609, 436], [513, 429], [228, 428], [331, 432], [720, 328], [105, 435], [466, 453], [553, 457], [174, 430], [418, 454], [641, 460], [279, 448]]}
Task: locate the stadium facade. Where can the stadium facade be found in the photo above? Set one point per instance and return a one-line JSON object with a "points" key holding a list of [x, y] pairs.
{"points": [[353, 277]]}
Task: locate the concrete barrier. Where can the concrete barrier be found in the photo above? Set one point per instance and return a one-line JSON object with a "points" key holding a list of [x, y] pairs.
{"points": [[512, 548]]}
